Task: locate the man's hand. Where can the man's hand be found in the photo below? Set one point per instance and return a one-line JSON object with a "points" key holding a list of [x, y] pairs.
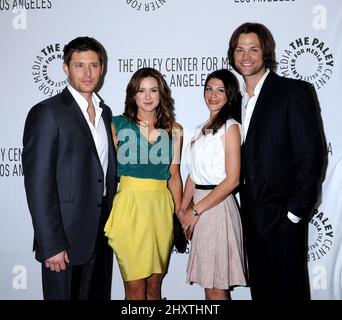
{"points": [[58, 262]]}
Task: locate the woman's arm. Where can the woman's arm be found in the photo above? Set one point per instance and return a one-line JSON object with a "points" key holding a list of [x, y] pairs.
{"points": [[232, 147], [175, 182], [187, 196], [115, 138]]}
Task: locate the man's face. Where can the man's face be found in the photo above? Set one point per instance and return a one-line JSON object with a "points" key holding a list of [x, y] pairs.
{"points": [[248, 56], [84, 71]]}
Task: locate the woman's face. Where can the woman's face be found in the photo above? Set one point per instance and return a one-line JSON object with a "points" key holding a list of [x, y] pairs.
{"points": [[215, 95], [147, 98]]}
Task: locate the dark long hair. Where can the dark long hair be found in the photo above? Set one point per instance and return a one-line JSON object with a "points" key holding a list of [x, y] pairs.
{"points": [[266, 40], [165, 112], [231, 88]]}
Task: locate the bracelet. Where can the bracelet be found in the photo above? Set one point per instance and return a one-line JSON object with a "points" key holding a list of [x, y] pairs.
{"points": [[195, 212]]}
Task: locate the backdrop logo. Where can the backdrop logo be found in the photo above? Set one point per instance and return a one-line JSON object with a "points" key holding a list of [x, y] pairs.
{"points": [[245, 2], [321, 236], [308, 59], [25, 4], [47, 70], [145, 5], [10, 162], [178, 71]]}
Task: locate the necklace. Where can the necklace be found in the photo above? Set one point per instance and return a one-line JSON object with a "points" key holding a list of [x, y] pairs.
{"points": [[143, 124]]}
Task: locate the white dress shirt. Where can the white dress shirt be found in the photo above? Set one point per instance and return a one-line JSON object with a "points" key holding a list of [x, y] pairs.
{"points": [[98, 131], [248, 103]]}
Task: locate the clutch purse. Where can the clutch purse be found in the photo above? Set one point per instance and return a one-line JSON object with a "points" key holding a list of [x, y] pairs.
{"points": [[188, 234], [179, 239]]}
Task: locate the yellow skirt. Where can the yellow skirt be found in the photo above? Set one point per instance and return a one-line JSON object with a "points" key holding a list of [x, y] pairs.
{"points": [[140, 227]]}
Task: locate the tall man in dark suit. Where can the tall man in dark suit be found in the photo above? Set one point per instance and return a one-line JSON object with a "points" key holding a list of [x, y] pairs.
{"points": [[69, 168], [281, 166]]}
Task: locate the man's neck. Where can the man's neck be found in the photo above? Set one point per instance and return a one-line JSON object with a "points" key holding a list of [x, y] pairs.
{"points": [[88, 97], [252, 81]]}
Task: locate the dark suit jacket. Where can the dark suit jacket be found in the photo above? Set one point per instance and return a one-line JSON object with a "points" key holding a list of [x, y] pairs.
{"points": [[282, 156], [64, 178]]}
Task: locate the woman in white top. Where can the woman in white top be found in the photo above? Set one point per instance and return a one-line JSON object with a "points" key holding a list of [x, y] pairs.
{"points": [[216, 260]]}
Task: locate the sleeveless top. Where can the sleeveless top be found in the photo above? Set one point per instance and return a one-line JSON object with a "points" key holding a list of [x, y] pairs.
{"points": [[205, 158], [136, 156]]}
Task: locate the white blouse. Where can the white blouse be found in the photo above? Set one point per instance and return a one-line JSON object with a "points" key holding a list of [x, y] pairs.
{"points": [[205, 158]]}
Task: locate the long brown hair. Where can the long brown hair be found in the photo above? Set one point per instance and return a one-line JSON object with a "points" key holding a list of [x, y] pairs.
{"points": [[231, 88], [266, 40], [165, 112]]}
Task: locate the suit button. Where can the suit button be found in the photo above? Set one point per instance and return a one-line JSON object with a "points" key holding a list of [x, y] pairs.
{"points": [[99, 205], [99, 180]]}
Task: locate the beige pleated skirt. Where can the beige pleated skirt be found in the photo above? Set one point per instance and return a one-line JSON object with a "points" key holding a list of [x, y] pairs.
{"points": [[216, 257]]}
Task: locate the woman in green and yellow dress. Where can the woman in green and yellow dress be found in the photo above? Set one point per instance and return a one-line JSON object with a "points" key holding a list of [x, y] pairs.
{"points": [[148, 143]]}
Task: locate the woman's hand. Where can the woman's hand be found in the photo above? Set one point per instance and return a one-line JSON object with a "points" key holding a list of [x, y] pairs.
{"points": [[180, 214], [189, 220]]}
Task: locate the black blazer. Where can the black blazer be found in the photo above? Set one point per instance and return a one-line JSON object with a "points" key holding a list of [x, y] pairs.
{"points": [[282, 156], [64, 178]]}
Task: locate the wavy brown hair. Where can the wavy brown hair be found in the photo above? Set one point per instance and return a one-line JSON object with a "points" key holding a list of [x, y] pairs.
{"points": [[266, 40], [231, 88], [165, 112]]}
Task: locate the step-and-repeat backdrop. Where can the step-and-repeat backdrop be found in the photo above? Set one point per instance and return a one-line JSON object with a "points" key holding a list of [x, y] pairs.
{"points": [[185, 40]]}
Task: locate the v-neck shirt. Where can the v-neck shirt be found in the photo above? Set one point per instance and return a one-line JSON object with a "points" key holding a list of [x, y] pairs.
{"points": [[139, 158]]}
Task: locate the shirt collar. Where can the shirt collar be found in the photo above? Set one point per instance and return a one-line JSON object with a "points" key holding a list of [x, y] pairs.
{"points": [[82, 102], [257, 87]]}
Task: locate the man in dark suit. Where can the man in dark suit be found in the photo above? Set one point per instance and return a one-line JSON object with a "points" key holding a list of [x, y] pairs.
{"points": [[69, 169], [281, 166]]}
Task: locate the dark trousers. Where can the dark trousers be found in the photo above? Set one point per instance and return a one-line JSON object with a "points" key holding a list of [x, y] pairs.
{"points": [[277, 265], [91, 281]]}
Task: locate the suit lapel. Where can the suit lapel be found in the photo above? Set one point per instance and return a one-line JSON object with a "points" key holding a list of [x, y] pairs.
{"points": [[77, 114]]}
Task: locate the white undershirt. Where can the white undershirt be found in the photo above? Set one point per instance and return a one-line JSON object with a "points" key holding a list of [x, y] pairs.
{"points": [[98, 131]]}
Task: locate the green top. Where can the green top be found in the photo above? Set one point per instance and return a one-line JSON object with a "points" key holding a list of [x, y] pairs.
{"points": [[137, 157]]}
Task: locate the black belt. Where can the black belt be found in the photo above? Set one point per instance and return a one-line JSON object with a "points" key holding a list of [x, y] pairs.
{"points": [[205, 186]]}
